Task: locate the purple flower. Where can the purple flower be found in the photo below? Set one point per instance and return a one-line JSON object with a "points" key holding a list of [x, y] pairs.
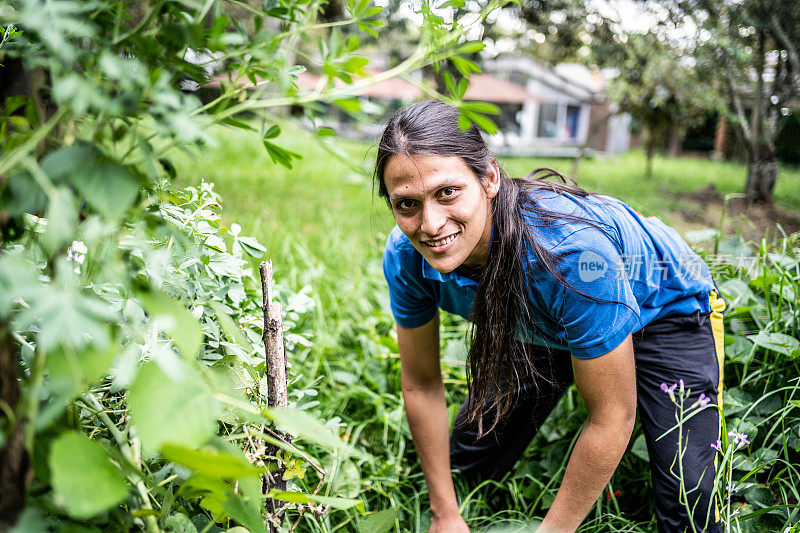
{"points": [[669, 388], [702, 401], [739, 439], [717, 445]]}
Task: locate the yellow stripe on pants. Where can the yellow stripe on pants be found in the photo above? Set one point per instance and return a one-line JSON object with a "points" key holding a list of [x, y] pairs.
{"points": [[717, 327]]}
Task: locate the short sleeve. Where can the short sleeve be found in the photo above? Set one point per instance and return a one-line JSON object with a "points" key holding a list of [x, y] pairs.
{"points": [[591, 263], [411, 297]]}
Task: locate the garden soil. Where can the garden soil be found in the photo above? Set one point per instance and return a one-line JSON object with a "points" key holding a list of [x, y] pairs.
{"points": [[703, 208]]}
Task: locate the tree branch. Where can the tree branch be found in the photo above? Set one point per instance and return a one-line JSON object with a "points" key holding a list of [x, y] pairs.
{"points": [[740, 114], [794, 56]]}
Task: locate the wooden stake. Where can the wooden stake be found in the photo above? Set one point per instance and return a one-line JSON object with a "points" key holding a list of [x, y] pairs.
{"points": [[276, 370], [273, 342]]}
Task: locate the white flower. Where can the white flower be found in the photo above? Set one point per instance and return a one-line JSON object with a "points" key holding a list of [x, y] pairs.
{"points": [[77, 254]]}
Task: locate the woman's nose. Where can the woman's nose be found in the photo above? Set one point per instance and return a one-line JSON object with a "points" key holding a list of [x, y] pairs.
{"points": [[433, 219]]}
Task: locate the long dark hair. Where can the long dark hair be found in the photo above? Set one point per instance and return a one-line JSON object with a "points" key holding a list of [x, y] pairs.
{"points": [[497, 363]]}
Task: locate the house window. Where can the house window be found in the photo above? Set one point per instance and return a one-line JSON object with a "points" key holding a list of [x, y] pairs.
{"points": [[573, 119], [548, 118]]}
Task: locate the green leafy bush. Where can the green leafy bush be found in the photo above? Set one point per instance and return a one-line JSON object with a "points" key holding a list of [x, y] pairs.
{"points": [[131, 364]]}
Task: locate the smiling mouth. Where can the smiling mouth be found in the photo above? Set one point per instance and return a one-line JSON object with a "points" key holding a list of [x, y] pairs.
{"points": [[441, 243]]}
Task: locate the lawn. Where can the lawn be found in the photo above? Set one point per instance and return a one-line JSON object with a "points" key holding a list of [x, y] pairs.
{"points": [[324, 228], [324, 208]]}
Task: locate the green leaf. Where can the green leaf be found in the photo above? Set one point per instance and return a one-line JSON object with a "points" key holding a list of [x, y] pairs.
{"points": [[22, 195], [777, 342], [308, 427], [252, 246], [380, 522], [62, 215], [76, 371], [83, 478], [471, 47], [244, 512], [356, 64], [238, 124], [176, 320], [179, 523], [736, 288], [464, 66], [210, 461], [700, 235], [735, 400], [272, 132], [200, 485], [180, 411], [482, 107], [300, 497], [347, 481], [481, 121], [326, 131], [450, 83], [231, 328], [280, 155], [639, 449], [107, 186], [350, 105]]}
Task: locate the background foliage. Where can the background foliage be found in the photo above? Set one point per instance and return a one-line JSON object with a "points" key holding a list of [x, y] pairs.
{"points": [[132, 368]]}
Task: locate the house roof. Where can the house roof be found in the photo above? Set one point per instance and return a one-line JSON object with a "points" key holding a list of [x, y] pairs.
{"points": [[570, 80], [394, 88], [490, 88]]}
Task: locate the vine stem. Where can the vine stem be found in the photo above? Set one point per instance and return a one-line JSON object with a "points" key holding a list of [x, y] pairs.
{"points": [[91, 401], [684, 495], [32, 401]]}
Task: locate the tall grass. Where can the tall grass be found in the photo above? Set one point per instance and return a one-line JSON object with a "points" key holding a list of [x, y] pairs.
{"points": [[324, 228]]}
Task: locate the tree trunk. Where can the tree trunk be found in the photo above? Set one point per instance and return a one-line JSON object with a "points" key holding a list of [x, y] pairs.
{"points": [[762, 172], [15, 463], [650, 151], [719, 137], [675, 138]]}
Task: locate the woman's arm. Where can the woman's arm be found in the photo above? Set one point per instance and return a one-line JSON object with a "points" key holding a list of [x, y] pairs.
{"points": [[608, 386], [426, 410]]}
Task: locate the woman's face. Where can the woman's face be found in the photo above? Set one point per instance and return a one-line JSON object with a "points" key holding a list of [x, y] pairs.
{"points": [[442, 207]]}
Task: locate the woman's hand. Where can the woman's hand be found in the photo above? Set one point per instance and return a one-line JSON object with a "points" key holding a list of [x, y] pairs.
{"points": [[449, 524]]}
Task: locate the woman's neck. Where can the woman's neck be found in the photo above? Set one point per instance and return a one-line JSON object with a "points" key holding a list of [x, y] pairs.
{"points": [[472, 272]]}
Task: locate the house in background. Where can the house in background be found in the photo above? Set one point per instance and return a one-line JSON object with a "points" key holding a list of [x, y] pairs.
{"points": [[570, 109], [558, 111]]}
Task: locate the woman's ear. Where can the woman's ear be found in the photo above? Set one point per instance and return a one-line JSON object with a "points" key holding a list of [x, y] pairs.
{"points": [[491, 183]]}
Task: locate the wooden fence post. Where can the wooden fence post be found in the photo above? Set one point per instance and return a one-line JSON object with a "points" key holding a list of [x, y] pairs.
{"points": [[275, 371]]}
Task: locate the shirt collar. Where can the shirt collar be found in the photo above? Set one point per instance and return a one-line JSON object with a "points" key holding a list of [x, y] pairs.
{"points": [[428, 272]]}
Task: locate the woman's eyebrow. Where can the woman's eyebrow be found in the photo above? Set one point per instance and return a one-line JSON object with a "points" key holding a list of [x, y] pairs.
{"points": [[441, 182], [396, 197]]}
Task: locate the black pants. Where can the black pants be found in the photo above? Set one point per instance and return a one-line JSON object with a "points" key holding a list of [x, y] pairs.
{"points": [[665, 351]]}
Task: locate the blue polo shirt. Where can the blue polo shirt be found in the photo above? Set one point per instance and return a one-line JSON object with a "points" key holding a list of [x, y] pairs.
{"points": [[640, 267]]}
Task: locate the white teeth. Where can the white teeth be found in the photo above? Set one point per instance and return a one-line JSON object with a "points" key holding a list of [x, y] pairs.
{"points": [[444, 241]]}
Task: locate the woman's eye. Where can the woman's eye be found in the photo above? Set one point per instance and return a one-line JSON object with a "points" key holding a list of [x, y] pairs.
{"points": [[404, 205]]}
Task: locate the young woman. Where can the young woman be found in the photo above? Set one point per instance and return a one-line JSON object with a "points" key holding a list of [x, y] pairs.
{"points": [[561, 286]]}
